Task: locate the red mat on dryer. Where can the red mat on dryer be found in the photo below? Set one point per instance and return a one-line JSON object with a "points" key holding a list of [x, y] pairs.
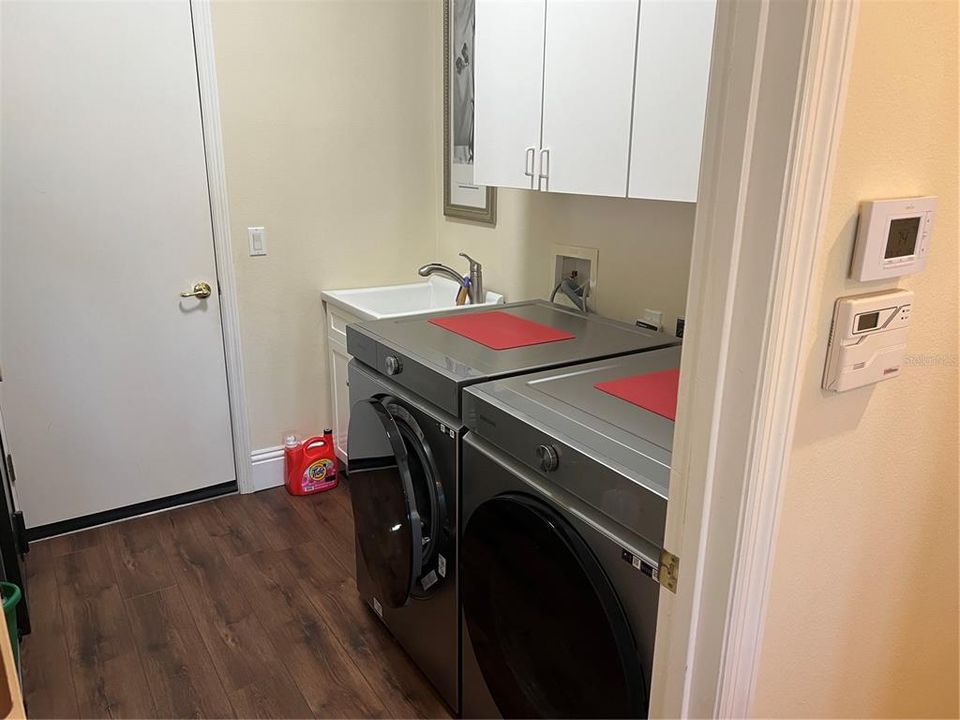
{"points": [[500, 330], [656, 391]]}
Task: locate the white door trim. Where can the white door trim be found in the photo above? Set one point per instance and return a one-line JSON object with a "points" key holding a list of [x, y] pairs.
{"points": [[774, 113], [806, 199], [220, 215]]}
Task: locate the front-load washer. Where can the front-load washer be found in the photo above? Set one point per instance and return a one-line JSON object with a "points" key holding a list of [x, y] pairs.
{"points": [[404, 456], [412, 365], [563, 505]]}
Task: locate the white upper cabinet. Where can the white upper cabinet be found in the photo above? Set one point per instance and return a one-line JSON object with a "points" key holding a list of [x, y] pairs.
{"points": [[508, 92], [673, 67], [587, 87], [595, 97]]}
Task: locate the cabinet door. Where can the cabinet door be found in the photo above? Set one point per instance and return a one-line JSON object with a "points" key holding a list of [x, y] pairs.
{"points": [[588, 65], [673, 68], [340, 398], [508, 77]]}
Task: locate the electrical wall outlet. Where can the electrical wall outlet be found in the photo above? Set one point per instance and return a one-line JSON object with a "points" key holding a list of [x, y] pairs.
{"points": [[680, 323], [258, 241], [652, 319]]}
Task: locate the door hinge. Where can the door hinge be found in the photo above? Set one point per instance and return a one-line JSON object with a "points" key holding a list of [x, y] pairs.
{"points": [[10, 471], [668, 571]]}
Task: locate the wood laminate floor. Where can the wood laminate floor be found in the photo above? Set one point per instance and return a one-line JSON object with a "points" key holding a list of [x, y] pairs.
{"points": [[243, 606]]}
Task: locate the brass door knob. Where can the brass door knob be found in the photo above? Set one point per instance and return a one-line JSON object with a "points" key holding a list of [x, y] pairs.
{"points": [[200, 290]]}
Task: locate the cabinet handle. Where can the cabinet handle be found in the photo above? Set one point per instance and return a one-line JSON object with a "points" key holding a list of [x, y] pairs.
{"points": [[528, 162], [544, 170]]}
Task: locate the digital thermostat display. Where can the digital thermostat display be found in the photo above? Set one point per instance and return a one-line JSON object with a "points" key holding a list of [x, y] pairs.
{"points": [[902, 239], [892, 237], [868, 321]]}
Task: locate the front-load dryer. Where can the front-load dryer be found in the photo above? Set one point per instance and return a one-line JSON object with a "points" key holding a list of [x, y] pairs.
{"points": [[563, 505]]}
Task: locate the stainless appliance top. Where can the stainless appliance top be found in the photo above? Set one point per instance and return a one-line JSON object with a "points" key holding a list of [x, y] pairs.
{"points": [[437, 363], [611, 453]]}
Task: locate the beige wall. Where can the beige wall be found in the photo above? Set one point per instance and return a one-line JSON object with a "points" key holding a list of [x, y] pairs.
{"points": [[864, 602], [644, 248], [331, 114], [328, 130]]}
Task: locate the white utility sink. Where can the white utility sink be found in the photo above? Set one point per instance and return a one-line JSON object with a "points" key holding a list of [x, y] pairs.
{"points": [[349, 306], [436, 293]]}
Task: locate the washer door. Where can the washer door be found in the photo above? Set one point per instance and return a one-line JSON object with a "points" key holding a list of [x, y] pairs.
{"points": [[398, 504], [546, 627]]}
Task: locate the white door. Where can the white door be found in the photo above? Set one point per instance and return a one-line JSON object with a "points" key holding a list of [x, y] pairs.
{"points": [[114, 387], [587, 94], [508, 91], [673, 69]]}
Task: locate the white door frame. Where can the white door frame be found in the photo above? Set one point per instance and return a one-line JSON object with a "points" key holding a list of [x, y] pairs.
{"points": [[223, 252], [778, 81]]}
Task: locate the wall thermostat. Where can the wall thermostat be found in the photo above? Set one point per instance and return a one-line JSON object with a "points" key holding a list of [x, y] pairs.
{"points": [[868, 339], [893, 237]]}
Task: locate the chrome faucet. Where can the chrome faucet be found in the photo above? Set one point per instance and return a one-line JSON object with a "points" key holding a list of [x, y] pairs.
{"points": [[476, 280], [475, 286]]}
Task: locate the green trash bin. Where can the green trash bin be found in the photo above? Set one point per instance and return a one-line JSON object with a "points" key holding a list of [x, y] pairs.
{"points": [[11, 598]]}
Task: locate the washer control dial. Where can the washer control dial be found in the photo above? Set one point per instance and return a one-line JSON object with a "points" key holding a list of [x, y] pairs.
{"points": [[392, 365], [549, 458]]}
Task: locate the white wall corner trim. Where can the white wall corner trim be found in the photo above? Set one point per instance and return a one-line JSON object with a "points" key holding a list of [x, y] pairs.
{"points": [[220, 214], [818, 118], [267, 468]]}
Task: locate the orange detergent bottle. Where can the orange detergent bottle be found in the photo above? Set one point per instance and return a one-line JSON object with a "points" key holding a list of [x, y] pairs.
{"points": [[311, 465]]}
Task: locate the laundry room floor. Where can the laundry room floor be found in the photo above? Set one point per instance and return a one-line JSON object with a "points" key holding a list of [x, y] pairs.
{"points": [[241, 606]]}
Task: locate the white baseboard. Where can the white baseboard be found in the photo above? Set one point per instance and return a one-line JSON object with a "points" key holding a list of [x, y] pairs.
{"points": [[267, 467]]}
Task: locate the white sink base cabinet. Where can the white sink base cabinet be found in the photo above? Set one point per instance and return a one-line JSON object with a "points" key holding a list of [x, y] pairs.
{"points": [[337, 359]]}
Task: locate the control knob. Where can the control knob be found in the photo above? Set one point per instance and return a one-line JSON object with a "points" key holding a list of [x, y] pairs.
{"points": [[392, 365], [549, 458]]}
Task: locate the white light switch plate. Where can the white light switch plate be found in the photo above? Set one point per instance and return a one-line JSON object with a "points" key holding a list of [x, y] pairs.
{"points": [[258, 241]]}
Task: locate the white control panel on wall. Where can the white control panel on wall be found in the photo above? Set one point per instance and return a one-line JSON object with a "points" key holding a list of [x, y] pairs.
{"points": [[893, 237], [868, 339]]}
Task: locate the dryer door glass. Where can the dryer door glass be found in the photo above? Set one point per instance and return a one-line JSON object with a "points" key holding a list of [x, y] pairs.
{"points": [[397, 507], [544, 622]]}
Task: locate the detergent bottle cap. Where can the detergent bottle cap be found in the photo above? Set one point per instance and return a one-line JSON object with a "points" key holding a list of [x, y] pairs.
{"points": [[290, 440]]}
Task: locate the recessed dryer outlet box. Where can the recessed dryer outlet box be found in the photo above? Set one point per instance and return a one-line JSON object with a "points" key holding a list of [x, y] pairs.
{"points": [[577, 264]]}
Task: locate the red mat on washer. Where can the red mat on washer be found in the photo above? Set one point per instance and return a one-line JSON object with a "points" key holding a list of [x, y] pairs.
{"points": [[656, 391], [500, 330]]}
